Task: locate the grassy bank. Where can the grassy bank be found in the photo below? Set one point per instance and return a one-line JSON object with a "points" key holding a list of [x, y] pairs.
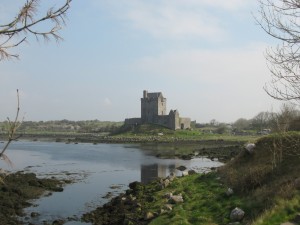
{"points": [[147, 133], [263, 183]]}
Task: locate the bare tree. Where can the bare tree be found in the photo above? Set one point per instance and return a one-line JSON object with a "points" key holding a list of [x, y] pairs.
{"points": [[280, 19], [282, 120], [25, 23], [12, 128]]}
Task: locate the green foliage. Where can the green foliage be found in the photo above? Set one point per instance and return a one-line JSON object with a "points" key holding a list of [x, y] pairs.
{"points": [[65, 126]]}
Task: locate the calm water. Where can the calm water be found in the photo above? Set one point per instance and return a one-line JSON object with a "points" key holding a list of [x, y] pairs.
{"points": [[98, 169]]}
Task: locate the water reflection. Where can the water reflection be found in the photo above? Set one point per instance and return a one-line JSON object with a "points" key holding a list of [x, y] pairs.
{"points": [[100, 167], [152, 172]]}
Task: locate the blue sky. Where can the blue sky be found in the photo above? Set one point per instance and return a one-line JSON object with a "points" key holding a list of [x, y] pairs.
{"points": [[206, 56]]}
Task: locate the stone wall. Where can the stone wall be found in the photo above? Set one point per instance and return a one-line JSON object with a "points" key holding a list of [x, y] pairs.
{"points": [[185, 123]]}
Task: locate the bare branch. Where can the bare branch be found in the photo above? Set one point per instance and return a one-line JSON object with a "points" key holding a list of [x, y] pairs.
{"points": [[281, 20], [12, 127], [25, 23]]}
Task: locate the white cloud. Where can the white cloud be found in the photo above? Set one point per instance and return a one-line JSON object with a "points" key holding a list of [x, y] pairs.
{"points": [[171, 21], [211, 66], [177, 19]]}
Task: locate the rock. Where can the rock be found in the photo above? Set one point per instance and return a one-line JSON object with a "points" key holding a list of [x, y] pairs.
{"points": [[181, 168], [34, 214], [108, 195], [185, 173], [186, 157], [135, 185], [168, 207], [166, 183], [235, 223], [171, 177], [58, 222], [229, 192], [237, 214], [175, 199], [287, 223], [297, 183], [250, 148], [168, 195], [148, 216], [191, 172]]}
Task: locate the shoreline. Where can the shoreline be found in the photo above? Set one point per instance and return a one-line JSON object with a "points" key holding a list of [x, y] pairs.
{"points": [[214, 152]]}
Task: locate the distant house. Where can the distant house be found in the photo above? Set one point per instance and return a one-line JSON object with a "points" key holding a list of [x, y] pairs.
{"points": [[153, 111]]}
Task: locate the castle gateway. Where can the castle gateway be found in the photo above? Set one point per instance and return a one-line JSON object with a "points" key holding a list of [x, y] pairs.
{"points": [[153, 110]]}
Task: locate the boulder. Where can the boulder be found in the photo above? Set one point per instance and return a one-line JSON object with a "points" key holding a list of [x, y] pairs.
{"points": [[185, 173], [191, 172], [175, 199], [34, 214], [168, 207], [181, 168], [287, 223], [135, 185], [250, 148], [237, 214], [165, 183], [229, 192], [168, 195], [171, 177], [148, 216]]}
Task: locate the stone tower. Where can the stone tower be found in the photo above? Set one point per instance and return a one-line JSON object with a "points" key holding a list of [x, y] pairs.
{"points": [[152, 105]]}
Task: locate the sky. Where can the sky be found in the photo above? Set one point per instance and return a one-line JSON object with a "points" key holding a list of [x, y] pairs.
{"points": [[205, 56]]}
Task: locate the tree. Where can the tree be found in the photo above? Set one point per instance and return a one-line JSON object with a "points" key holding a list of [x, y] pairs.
{"points": [[283, 120], [26, 23], [262, 120], [12, 127], [241, 124], [280, 19]]}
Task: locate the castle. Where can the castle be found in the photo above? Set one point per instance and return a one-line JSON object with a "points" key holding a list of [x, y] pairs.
{"points": [[153, 110]]}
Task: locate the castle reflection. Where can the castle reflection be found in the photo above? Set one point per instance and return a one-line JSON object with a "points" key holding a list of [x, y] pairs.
{"points": [[154, 171]]}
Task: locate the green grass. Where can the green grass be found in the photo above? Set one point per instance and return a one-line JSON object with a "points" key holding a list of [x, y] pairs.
{"points": [[150, 130], [284, 210], [205, 202], [263, 189]]}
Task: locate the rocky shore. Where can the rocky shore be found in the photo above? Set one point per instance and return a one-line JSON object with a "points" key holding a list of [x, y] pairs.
{"points": [[17, 189]]}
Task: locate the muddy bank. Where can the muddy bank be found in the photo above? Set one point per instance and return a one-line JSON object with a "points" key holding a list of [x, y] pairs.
{"points": [[17, 189]]}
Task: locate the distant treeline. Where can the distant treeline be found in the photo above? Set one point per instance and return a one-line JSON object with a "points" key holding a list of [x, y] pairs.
{"points": [[86, 126]]}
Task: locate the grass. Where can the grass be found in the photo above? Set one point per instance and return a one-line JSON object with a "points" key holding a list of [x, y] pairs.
{"points": [[205, 202], [161, 133], [263, 189]]}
